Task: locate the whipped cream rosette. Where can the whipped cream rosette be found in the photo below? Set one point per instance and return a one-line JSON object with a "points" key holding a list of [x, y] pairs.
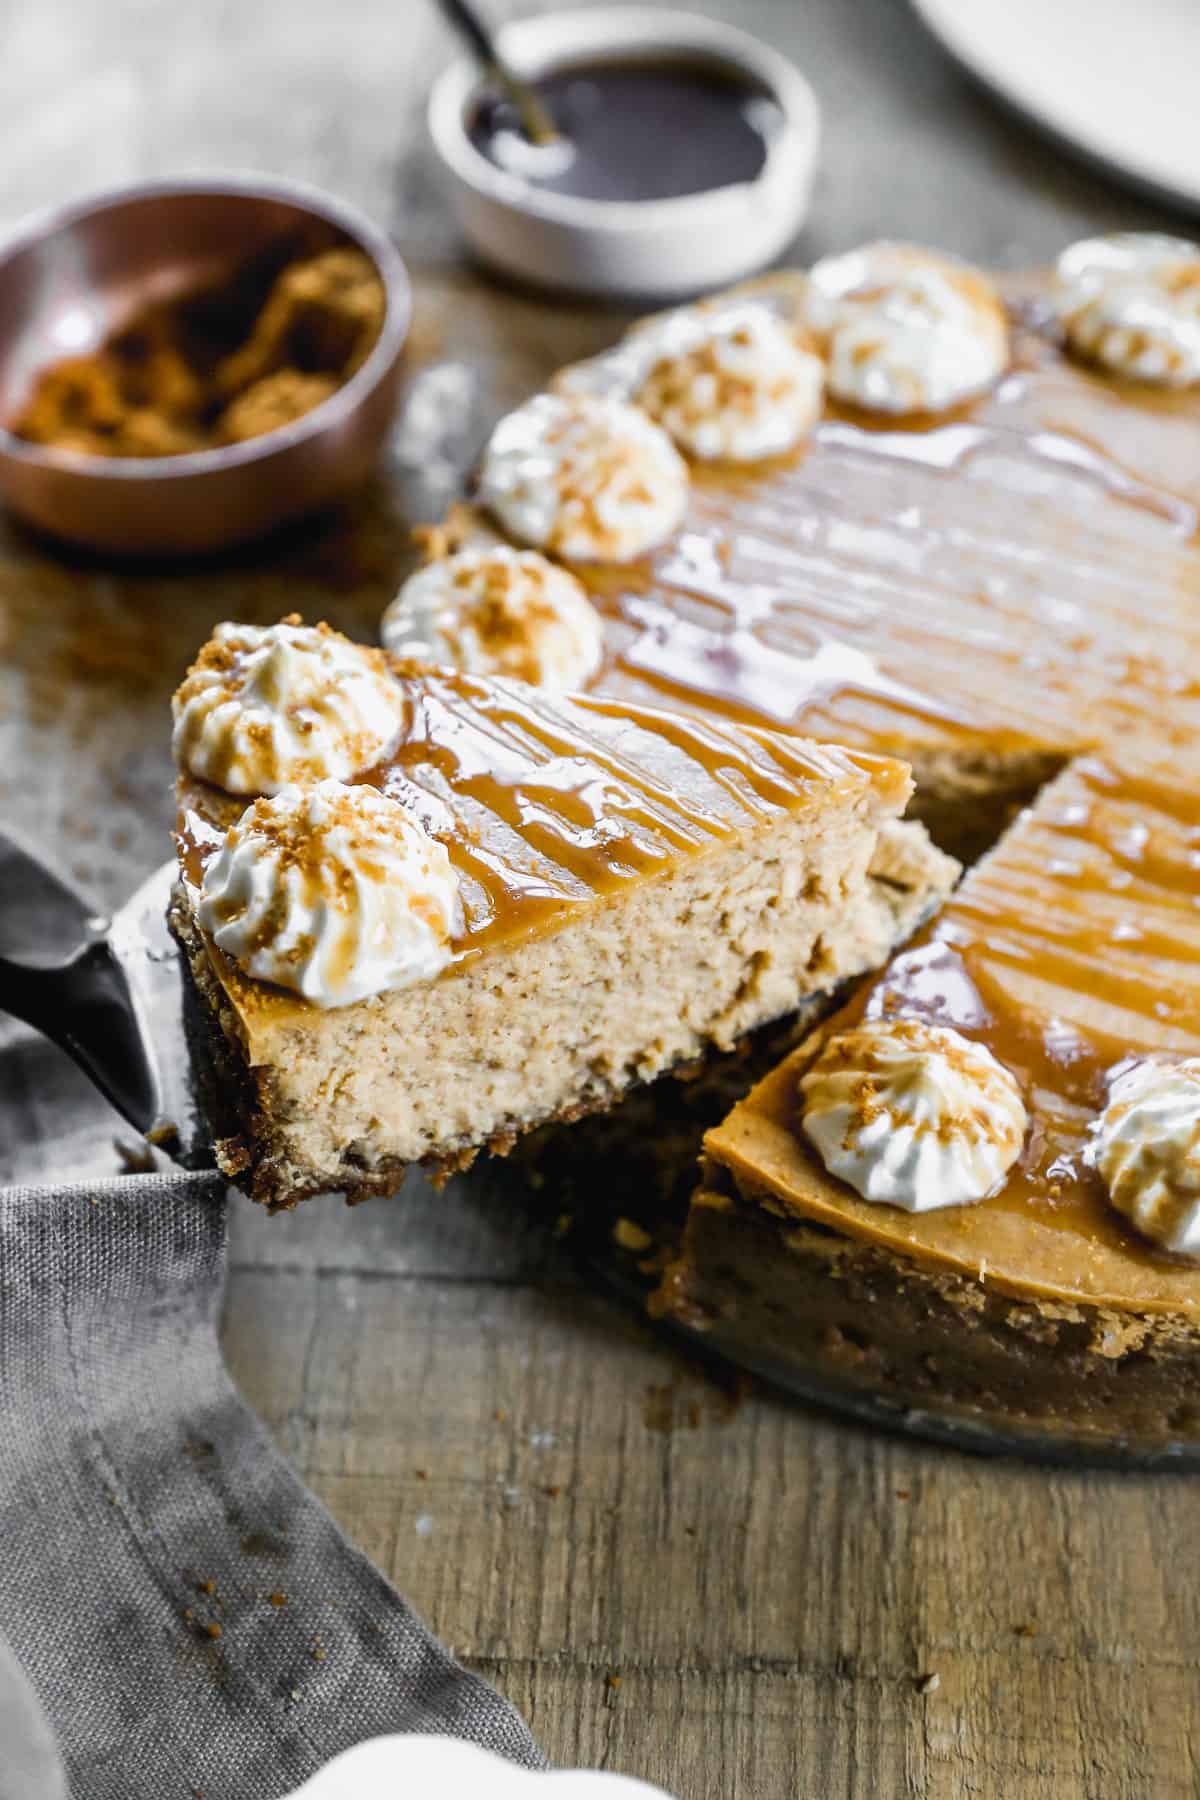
{"points": [[1146, 1148], [267, 705], [586, 477], [498, 611], [913, 1114], [1131, 302], [335, 892], [905, 330]]}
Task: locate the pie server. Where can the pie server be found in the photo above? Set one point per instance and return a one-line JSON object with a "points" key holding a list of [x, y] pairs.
{"points": [[112, 994]]}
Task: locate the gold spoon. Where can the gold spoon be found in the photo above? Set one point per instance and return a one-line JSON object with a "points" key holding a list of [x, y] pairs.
{"points": [[536, 122]]}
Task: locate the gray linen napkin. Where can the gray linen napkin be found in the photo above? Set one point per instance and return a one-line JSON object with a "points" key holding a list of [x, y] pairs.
{"points": [[191, 1618]]}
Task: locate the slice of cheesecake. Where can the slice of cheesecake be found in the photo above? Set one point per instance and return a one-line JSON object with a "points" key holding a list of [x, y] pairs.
{"points": [[504, 908], [975, 1191]]}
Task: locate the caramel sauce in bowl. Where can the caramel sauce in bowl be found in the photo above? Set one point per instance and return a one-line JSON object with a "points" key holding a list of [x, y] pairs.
{"points": [[596, 222]]}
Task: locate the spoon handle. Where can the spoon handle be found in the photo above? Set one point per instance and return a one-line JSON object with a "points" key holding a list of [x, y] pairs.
{"points": [[466, 20], [535, 119]]}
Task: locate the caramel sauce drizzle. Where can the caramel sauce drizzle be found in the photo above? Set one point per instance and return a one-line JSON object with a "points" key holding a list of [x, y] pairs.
{"points": [[1011, 574], [545, 805]]}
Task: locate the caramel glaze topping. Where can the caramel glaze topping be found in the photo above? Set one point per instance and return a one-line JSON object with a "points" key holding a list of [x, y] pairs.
{"points": [[1072, 947], [544, 805], [1020, 573]]}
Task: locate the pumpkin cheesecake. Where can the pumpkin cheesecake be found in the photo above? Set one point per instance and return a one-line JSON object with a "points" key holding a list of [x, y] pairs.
{"points": [[931, 516], [427, 911], [975, 1190]]}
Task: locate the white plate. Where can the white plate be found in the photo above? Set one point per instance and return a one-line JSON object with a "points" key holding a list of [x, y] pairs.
{"points": [[439, 1768], [1118, 79]]}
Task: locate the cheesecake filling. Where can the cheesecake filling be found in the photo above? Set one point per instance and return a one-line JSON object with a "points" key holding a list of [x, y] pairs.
{"points": [[732, 385], [498, 611], [906, 331], [913, 1114], [334, 892], [1146, 1148], [1131, 302], [265, 706], [585, 477]]}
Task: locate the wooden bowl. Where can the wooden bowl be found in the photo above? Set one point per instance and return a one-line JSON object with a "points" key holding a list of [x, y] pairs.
{"points": [[76, 275]]}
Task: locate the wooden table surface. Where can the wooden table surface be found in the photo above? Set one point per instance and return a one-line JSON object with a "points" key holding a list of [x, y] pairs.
{"points": [[732, 1600]]}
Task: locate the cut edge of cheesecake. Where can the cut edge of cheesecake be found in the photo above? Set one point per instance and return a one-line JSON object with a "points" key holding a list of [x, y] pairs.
{"points": [[906, 880], [609, 993]]}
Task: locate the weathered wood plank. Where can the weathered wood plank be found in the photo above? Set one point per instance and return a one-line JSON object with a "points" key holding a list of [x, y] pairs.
{"points": [[769, 1585], [845, 1736]]}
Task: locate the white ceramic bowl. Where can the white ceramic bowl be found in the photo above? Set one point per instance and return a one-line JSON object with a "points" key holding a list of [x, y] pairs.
{"points": [[652, 249]]}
